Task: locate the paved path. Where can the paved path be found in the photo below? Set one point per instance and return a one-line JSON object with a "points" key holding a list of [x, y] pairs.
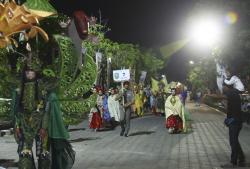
{"points": [[149, 146]]}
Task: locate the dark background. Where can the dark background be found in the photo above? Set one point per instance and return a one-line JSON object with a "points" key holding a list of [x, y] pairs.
{"points": [[149, 23]]}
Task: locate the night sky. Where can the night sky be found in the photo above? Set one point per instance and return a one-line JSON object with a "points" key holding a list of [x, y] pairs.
{"points": [[149, 23]]}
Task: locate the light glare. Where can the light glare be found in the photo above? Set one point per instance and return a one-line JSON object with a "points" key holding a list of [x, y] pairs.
{"points": [[206, 32]]}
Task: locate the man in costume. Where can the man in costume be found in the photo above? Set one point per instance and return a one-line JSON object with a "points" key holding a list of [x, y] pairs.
{"points": [[38, 117], [30, 123], [175, 113]]}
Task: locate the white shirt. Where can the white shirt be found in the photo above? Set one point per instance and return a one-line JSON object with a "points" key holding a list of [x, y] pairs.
{"points": [[236, 82]]}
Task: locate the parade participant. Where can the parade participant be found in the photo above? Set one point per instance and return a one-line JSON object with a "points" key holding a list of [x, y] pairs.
{"points": [[115, 108], [175, 114], [95, 120], [183, 95], [29, 122], [160, 100], [128, 97], [153, 104], [139, 96], [38, 117], [106, 115], [99, 100]]}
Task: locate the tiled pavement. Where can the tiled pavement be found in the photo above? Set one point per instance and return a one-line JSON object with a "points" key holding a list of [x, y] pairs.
{"points": [[149, 146]]}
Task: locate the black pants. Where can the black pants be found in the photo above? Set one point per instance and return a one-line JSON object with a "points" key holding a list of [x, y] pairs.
{"points": [[237, 153]]}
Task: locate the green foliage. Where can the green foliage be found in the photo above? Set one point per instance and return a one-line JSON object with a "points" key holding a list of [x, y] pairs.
{"points": [[42, 5], [4, 110], [74, 86], [67, 61], [7, 80], [75, 111], [203, 75], [122, 55]]}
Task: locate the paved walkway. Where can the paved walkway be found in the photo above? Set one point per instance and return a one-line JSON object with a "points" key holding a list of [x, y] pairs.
{"points": [[149, 146]]}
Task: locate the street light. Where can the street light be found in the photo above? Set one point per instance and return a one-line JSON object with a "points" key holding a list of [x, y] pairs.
{"points": [[205, 32], [191, 62]]}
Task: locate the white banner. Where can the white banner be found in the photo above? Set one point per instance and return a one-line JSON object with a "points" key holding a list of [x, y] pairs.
{"points": [[121, 75]]}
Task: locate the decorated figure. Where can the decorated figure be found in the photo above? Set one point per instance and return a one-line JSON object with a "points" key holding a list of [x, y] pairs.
{"points": [[31, 122], [139, 96], [95, 120], [115, 108], [175, 114], [40, 116]]}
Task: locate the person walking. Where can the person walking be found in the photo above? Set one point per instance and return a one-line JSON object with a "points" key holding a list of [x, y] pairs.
{"points": [[174, 113], [114, 107], [129, 100]]}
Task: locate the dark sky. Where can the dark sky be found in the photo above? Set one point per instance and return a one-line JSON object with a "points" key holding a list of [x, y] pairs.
{"points": [[149, 23], [146, 22]]}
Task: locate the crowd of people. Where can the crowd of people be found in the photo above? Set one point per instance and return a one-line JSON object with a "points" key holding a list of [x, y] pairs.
{"points": [[116, 105]]}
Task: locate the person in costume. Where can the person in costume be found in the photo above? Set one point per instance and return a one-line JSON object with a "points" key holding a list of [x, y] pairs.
{"points": [[138, 101], [99, 100], [160, 100], [95, 120], [106, 115], [175, 113], [38, 117], [30, 122], [115, 108], [153, 104]]}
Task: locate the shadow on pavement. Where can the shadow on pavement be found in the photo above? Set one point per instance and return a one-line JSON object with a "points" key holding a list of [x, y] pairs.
{"points": [[76, 129], [141, 133], [84, 139], [8, 163], [105, 129]]}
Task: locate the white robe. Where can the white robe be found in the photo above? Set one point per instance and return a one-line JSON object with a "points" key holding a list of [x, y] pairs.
{"points": [[176, 109], [114, 107]]}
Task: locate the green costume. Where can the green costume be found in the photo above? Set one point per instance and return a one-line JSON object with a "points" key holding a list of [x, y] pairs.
{"points": [[30, 118], [40, 119]]}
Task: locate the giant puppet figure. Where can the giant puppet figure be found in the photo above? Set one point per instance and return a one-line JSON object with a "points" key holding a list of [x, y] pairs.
{"points": [[35, 104]]}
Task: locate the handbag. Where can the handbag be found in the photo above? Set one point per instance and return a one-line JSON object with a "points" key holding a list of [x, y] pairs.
{"points": [[228, 121]]}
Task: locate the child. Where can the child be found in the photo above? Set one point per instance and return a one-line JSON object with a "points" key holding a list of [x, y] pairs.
{"points": [[95, 120]]}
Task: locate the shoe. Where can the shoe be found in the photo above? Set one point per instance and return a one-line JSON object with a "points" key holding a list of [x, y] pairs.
{"points": [[229, 165], [126, 135]]}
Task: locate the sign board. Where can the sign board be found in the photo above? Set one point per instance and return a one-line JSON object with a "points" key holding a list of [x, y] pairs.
{"points": [[121, 75]]}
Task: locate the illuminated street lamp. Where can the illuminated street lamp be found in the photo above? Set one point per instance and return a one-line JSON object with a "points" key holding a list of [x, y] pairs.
{"points": [[205, 32], [191, 62]]}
